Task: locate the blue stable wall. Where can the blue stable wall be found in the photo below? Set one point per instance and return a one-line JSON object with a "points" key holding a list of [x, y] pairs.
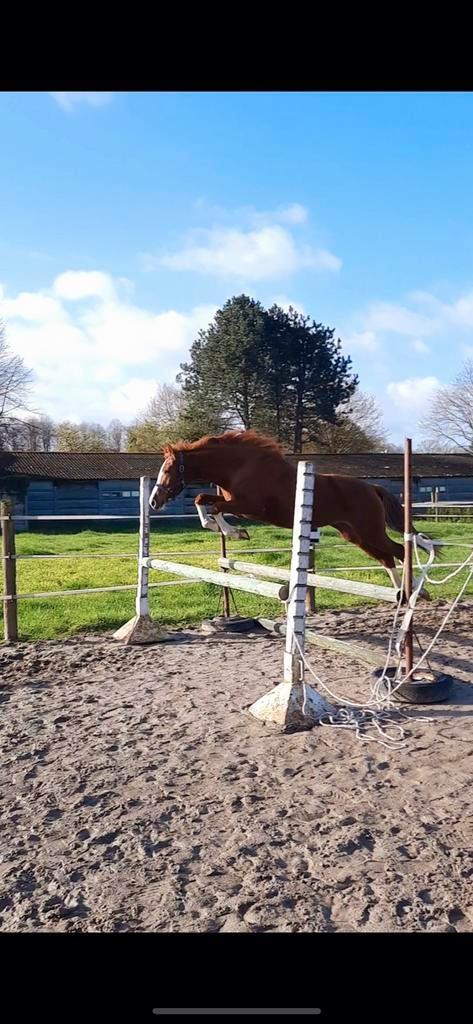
{"points": [[121, 497], [102, 497]]}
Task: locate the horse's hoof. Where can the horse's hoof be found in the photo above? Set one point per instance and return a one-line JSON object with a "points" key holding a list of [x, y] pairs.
{"points": [[243, 535], [424, 595]]}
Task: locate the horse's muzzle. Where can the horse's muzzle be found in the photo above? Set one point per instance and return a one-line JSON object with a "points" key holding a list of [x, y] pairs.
{"points": [[159, 497]]}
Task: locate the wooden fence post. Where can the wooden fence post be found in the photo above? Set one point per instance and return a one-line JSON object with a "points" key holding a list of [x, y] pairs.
{"points": [[10, 605]]}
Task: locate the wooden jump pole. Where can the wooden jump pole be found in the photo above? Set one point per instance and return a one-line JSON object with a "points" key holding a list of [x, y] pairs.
{"points": [[370, 590], [408, 642], [10, 606], [277, 591]]}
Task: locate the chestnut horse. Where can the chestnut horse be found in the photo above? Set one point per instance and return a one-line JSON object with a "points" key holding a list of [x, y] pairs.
{"points": [[258, 483]]}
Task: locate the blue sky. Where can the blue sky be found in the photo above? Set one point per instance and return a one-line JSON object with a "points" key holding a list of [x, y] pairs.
{"points": [[126, 219]]}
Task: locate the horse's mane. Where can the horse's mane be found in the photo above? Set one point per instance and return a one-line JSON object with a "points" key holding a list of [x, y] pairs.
{"points": [[232, 437]]}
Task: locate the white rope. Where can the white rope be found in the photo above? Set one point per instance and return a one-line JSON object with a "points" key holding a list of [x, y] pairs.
{"points": [[378, 712], [450, 576]]}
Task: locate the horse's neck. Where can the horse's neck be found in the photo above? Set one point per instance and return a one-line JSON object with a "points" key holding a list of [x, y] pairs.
{"points": [[218, 465], [215, 466]]}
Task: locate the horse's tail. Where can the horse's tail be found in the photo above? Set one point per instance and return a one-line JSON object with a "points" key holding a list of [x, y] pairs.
{"points": [[394, 513], [393, 510]]}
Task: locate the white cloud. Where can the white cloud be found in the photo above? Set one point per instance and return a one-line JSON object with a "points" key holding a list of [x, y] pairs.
{"points": [[365, 341], [285, 303], [258, 255], [135, 395], [32, 307], [419, 346], [74, 285], [249, 244], [426, 323], [414, 393], [461, 312], [68, 101], [93, 350], [389, 317], [295, 213]]}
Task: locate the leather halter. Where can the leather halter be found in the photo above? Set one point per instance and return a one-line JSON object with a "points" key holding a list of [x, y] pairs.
{"points": [[172, 492]]}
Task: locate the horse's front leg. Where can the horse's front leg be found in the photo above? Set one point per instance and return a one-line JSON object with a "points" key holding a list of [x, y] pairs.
{"points": [[207, 520], [214, 520]]}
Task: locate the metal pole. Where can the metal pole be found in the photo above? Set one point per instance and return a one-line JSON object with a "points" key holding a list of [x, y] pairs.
{"points": [[10, 606], [223, 554], [408, 645]]}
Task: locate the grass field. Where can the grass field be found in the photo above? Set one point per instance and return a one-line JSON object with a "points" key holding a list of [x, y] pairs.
{"points": [[43, 618]]}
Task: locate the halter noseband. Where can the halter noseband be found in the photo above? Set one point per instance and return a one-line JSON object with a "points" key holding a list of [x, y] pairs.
{"points": [[172, 492]]}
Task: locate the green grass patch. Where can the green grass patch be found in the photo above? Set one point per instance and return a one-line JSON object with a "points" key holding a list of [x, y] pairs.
{"points": [[187, 605]]}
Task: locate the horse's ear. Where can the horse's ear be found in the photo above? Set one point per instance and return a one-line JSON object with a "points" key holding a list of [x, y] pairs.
{"points": [[168, 451]]}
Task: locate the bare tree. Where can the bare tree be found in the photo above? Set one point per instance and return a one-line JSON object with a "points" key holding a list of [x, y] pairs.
{"points": [[46, 432], [161, 421], [81, 437], [359, 429], [116, 435], [166, 406], [448, 426], [15, 382]]}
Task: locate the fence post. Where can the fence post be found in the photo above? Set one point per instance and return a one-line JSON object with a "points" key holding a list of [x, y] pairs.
{"points": [[10, 605], [409, 640]]}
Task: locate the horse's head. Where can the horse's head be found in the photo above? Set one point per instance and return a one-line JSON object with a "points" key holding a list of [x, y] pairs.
{"points": [[170, 480]]}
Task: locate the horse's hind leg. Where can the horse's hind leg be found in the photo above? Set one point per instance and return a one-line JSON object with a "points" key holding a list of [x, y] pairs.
{"points": [[384, 551]]}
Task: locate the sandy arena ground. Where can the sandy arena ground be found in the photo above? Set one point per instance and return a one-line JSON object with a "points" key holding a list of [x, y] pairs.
{"points": [[135, 795]]}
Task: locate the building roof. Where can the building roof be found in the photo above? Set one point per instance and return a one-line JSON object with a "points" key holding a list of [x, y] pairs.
{"points": [[390, 465], [79, 465], [130, 466]]}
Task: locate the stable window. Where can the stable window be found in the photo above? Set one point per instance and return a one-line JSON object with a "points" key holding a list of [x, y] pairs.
{"points": [[121, 494]]}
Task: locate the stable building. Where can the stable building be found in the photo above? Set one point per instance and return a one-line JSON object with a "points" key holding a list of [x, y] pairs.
{"points": [[107, 483]]}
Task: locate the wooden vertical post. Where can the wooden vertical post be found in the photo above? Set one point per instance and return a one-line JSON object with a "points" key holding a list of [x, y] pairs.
{"points": [[10, 605], [408, 645]]}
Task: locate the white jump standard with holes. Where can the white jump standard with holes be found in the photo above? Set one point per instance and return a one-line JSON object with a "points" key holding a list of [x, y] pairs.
{"points": [[142, 629], [291, 704]]}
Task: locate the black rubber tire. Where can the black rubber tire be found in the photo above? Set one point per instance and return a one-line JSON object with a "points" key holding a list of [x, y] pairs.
{"points": [[235, 624], [433, 689]]}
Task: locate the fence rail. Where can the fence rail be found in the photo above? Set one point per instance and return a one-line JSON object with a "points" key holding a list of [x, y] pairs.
{"points": [[9, 558]]}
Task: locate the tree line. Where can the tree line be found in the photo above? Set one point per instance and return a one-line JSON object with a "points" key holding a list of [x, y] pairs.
{"points": [[273, 370]]}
